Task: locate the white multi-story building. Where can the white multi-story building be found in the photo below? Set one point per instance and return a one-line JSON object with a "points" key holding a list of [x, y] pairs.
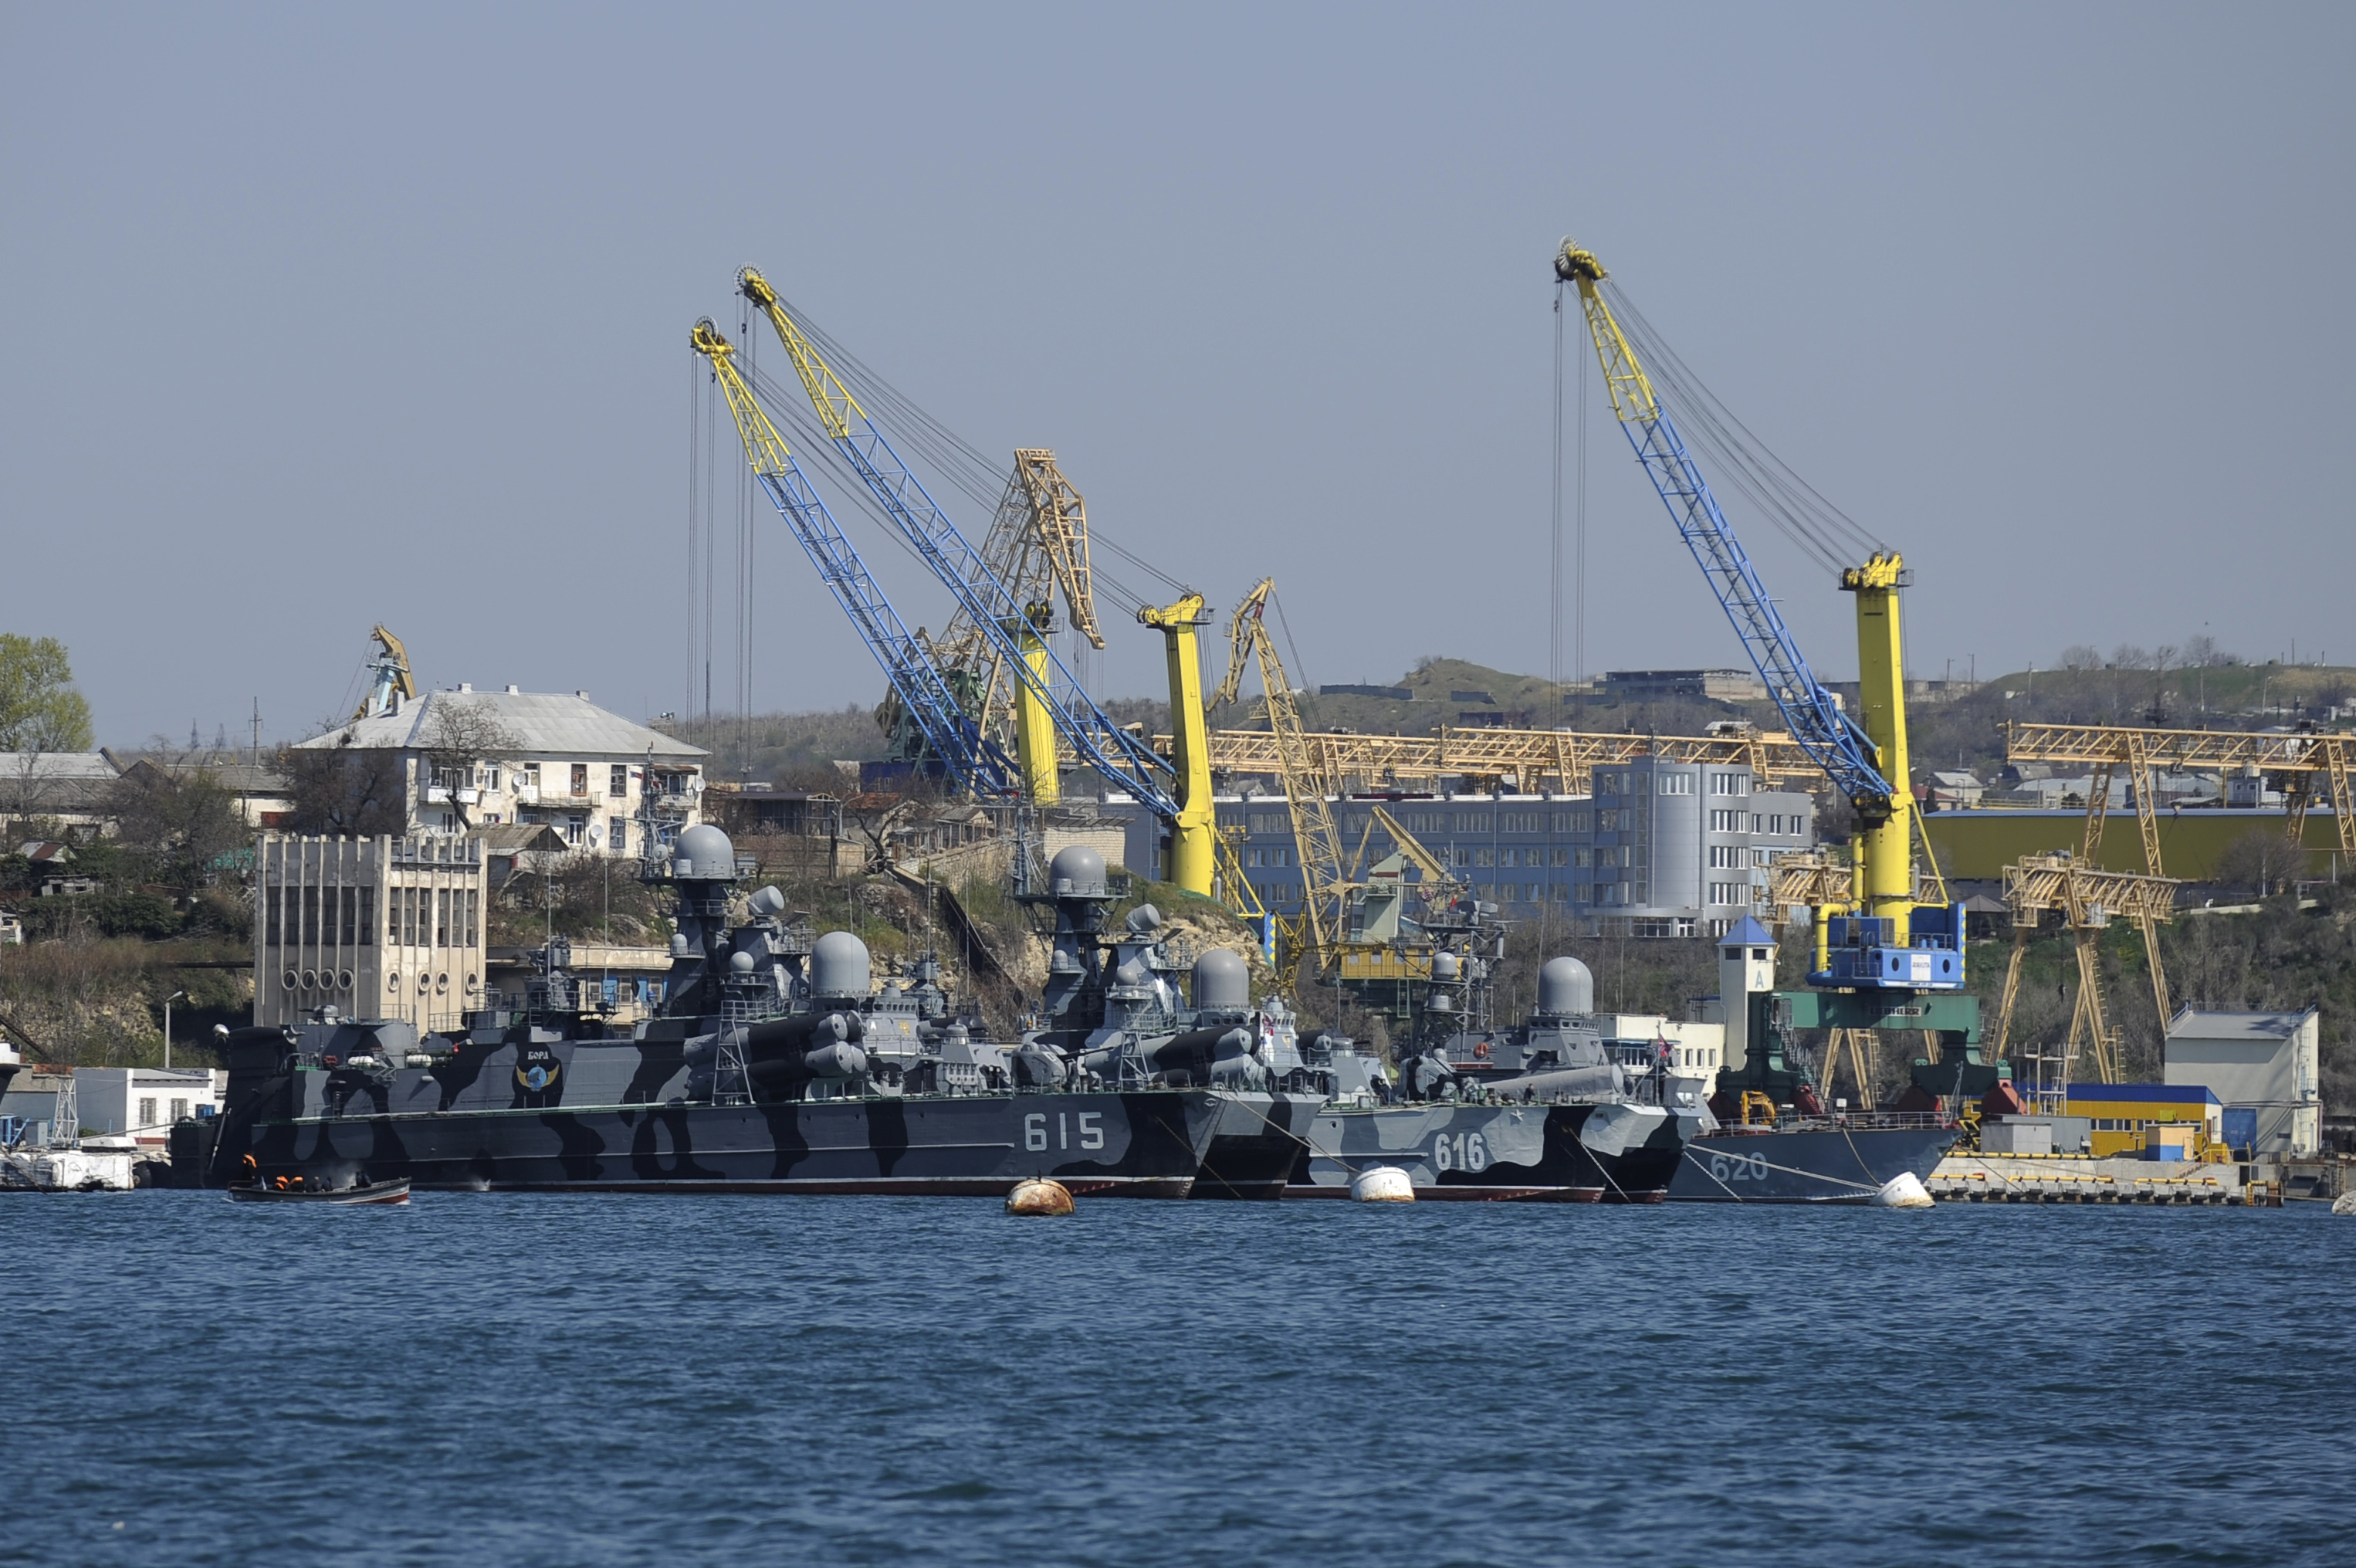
{"points": [[468, 760]]}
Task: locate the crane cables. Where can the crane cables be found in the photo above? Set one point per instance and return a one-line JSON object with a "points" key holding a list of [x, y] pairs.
{"points": [[957, 462], [1788, 503]]}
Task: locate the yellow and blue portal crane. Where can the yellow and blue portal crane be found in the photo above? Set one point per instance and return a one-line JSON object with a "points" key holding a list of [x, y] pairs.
{"points": [[1051, 705], [1888, 941]]}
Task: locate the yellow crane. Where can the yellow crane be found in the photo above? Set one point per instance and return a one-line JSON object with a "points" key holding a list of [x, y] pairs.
{"points": [[1317, 843], [390, 677], [1037, 544]]}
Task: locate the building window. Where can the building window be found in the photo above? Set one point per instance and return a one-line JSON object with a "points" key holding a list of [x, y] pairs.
{"points": [[581, 778], [1485, 857], [1729, 893], [1524, 822], [618, 780], [1730, 783], [146, 1113], [1255, 858], [442, 918], [574, 828], [1506, 857], [179, 1111], [1583, 857], [1726, 856], [491, 776], [1270, 822], [531, 775], [618, 834], [1725, 821], [1471, 821], [1758, 857], [270, 897], [1677, 783]]}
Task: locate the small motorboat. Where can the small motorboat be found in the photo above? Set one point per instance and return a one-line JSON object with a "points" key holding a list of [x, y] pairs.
{"points": [[298, 1190]]}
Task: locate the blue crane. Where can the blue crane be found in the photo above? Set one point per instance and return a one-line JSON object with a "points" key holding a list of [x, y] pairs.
{"points": [[1891, 943], [978, 764], [1095, 739]]}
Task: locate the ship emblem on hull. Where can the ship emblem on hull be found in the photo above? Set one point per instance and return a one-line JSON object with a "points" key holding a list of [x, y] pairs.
{"points": [[538, 1074]]}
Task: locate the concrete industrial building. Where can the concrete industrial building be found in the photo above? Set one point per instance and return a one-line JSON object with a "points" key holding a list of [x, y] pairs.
{"points": [[2263, 1068], [601, 781], [381, 928], [1659, 849]]}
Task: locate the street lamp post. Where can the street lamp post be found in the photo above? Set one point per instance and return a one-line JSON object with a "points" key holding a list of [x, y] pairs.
{"points": [[175, 996]]}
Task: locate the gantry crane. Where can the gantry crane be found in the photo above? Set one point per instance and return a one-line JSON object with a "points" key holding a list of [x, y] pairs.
{"points": [[2088, 899], [1528, 760], [1059, 708], [2309, 765], [1317, 843], [978, 764], [1877, 953], [388, 677]]}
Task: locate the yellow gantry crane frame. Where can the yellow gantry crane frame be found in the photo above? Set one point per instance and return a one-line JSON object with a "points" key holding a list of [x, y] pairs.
{"points": [[2088, 899], [2305, 760]]}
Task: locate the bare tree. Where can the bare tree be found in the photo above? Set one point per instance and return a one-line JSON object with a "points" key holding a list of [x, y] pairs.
{"points": [[353, 790], [460, 737]]}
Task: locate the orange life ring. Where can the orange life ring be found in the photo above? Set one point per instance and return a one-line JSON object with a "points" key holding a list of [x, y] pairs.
{"points": [[1480, 1048]]}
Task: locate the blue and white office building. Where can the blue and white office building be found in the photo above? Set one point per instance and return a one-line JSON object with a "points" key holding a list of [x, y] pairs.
{"points": [[1659, 849]]}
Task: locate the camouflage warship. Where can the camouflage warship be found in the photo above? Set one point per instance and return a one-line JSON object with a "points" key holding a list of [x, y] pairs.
{"points": [[1537, 1112], [776, 1066]]}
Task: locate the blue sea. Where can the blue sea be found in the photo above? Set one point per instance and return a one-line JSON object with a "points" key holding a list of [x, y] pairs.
{"points": [[590, 1380]]}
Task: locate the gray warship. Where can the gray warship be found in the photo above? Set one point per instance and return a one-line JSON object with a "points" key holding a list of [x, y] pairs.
{"points": [[776, 1066], [1539, 1111]]}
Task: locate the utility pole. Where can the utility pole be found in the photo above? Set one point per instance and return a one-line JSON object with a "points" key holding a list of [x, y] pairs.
{"points": [[175, 996], [257, 732]]}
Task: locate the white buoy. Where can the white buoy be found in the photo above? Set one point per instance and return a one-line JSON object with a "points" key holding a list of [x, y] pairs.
{"points": [[1039, 1196], [1382, 1184], [1904, 1190]]}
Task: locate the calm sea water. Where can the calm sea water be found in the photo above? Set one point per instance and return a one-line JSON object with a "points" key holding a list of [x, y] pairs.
{"points": [[619, 1379]]}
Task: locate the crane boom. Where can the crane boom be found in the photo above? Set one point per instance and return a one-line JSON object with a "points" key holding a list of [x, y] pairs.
{"points": [[1097, 741], [1317, 843], [1818, 724], [978, 764]]}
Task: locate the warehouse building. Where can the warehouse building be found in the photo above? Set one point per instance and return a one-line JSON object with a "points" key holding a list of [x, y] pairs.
{"points": [[2262, 1067]]}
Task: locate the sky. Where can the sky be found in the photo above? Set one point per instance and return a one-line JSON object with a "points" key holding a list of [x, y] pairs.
{"points": [[317, 317]]}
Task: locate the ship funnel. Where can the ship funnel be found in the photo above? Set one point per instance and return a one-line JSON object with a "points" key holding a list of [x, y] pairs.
{"points": [[1566, 987]]}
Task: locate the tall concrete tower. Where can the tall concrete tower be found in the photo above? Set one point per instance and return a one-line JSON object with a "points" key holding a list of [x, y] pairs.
{"points": [[1746, 971]]}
